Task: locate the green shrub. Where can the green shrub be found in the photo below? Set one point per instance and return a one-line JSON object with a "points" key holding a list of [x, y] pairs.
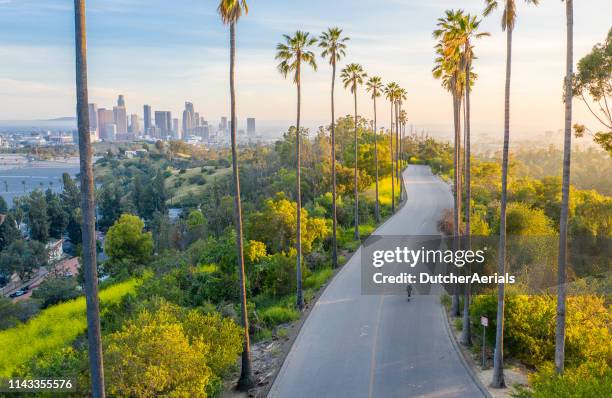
{"points": [[318, 278], [529, 327], [584, 382], [278, 315]]}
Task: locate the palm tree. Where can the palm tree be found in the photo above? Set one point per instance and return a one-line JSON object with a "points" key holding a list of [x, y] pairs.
{"points": [[374, 86], [462, 32], [391, 95], [352, 76], [448, 69], [230, 12], [291, 54], [334, 46], [403, 119], [567, 149], [507, 24], [401, 96], [94, 332]]}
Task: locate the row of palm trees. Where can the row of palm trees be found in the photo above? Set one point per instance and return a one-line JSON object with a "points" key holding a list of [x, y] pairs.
{"points": [[294, 53], [456, 33]]}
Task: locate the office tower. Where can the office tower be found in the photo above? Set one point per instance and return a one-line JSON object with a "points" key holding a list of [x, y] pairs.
{"points": [[223, 125], [163, 122], [147, 118], [120, 116], [175, 128], [134, 124], [188, 119], [196, 119], [251, 126], [110, 131], [93, 119], [105, 117], [168, 122]]}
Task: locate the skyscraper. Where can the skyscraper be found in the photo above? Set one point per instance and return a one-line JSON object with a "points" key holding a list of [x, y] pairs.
{"points": [[188, 119], [134, 125], [93, 119], [120, 116], [176, 133], [163, 122], [147, 118], [223, 125], [105, 117], [251, 126]]}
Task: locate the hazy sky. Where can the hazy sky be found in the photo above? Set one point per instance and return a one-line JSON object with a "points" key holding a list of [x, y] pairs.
{"points": [[165, 52]]}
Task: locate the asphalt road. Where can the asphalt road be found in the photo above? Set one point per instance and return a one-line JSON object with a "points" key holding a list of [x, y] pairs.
{"points": [[355, 345]]}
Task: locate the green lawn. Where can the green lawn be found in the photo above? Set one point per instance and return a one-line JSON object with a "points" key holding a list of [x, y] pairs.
{"points": [[180, 188], [54, 328]]}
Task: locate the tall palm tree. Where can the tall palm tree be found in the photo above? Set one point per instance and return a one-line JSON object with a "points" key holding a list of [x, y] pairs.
{"points": [[391, 91], [507, 24], [401, 96], [567, 149], [230, 12], [462, 32], [403, 120], [291, 54], [448, 69], [352, 76], [94, 333], [334, 48], [374, 86]]}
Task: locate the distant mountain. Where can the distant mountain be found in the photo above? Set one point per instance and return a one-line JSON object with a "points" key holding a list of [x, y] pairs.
{"points": [[60, 119]]}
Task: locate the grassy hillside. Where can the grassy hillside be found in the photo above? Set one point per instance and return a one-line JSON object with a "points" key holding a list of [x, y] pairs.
{"points": [[54, 328]]}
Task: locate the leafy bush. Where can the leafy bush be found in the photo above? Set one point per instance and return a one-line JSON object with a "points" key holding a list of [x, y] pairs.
{"points": [[318, 278], [529, 327], [55, 290], [585, 382]]}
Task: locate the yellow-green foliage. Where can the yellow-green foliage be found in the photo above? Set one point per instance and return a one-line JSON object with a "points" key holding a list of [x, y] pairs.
{"points": [[529, 328], [171, 352], [384, 191], [54, 328]]}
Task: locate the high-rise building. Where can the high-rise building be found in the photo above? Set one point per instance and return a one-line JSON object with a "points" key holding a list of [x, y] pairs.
{"points": [[251, 126], [105, 117], [147, 118], [134, 124], [163, 122], [93, 119], [120, 116], [176, 133], [110, 132], [223, 125], [196, 119], [188, 119]]}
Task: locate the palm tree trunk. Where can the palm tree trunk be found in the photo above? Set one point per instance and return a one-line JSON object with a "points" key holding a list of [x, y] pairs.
{"points": [[397, 144], [456, 197], [356, 177], [333, 170], [298, 232], [377, 207], [466, 336], [567, 149], [392, 169], [498, 359], [246, 375], [94, 333]]}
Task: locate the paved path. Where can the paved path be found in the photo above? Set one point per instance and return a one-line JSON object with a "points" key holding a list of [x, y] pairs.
{"points": [[353, 345]]}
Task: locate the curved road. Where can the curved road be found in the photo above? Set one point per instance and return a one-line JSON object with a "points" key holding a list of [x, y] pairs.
{"points": [[354, 345]]}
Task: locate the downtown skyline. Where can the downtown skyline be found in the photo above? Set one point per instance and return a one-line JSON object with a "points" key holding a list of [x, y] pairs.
{"points": [[150, 62]]}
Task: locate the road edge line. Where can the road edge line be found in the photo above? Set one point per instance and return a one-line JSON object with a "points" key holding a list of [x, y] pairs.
{"points": [[457, 349]]}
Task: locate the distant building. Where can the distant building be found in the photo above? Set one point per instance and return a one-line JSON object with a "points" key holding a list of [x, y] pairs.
{"points": [[93, 119], [163, 121], [55, 250], [251, 126], [134, 125], [188, 119], [147, 118], [105, 117], [121, 101], [175, 128], [110, 132], [223, 124]]}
